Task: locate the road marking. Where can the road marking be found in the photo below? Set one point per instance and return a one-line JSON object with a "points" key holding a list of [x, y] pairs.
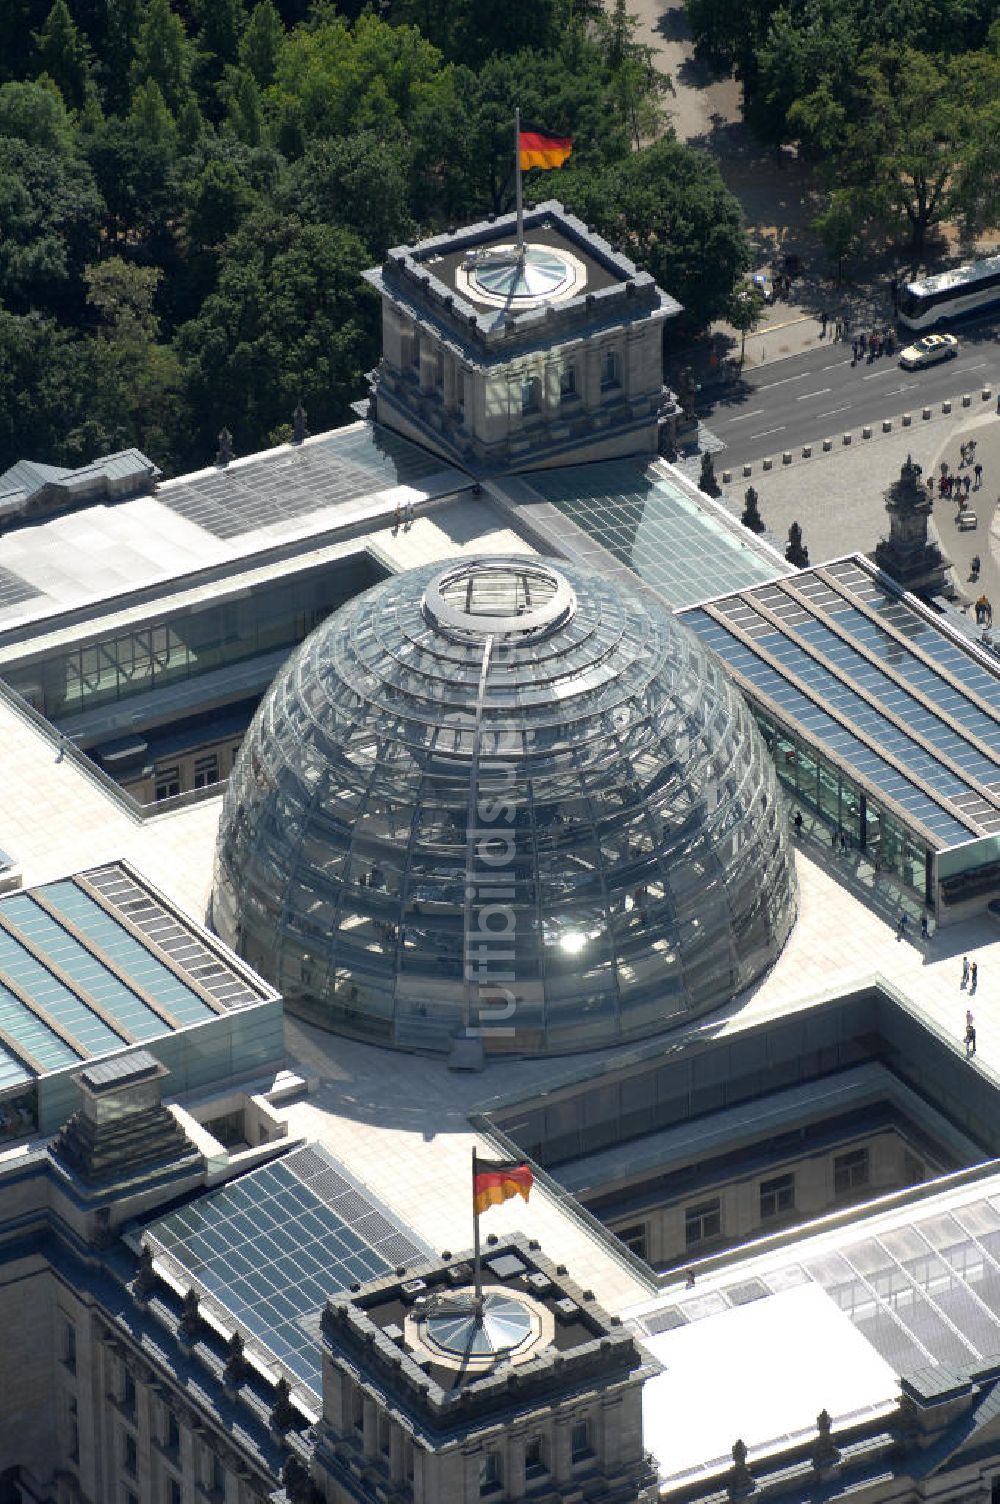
{"points": [[821, 393], [769, 430], [875, 374], [766, 387], [835, 365], [834, 410], [744, 416]]}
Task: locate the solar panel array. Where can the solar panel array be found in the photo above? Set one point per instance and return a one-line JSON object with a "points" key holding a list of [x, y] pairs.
{"points": [[183, 945], [863, 673], [13, 589], [76, 984], [288, 483], [927, 1293], [684, 550], [271, 1248]]}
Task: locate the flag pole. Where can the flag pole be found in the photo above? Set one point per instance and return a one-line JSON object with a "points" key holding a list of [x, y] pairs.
{"points": [[517, 180], [477, 1266]]}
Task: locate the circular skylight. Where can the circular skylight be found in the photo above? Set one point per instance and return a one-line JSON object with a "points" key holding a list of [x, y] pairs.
{"points": [[503, 276]]}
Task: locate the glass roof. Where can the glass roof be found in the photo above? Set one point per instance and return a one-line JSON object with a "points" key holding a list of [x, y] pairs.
{"points": [[271, 1248], [848, 659], [77, 984], [578, 777], [925, 1293], [344, 466], [685, 550]]}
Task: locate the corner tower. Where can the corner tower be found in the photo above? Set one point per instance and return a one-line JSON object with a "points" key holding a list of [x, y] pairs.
{"points": [[503, 358]]}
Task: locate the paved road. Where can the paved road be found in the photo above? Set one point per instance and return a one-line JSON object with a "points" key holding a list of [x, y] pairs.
{"points": [[810, 397]]}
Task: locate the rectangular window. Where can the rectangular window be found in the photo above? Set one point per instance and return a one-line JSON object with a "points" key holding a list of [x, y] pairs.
{"points": [[634, 1239], [173, 1491], [218, 1478], [534, 1457], [128, 1395], [172, 1433], [611, 370], [130, 1497], [168, 783], [851, 1171], [777, 1196], [489, 1473], [702, 1222], [69, 1346], [531, 392], [206, 770], [580, 1441], [73, 1432], [130, 1455], [567, 383]]}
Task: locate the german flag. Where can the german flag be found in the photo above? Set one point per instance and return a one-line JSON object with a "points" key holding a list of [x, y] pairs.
{"points": [[496, 1180], [540, 150]]}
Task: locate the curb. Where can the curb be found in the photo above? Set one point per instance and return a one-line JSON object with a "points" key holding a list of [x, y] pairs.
{"points": [[864, 435]]}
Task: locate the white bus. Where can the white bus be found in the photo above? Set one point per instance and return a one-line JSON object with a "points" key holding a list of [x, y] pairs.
{"points": [[966, 289]]}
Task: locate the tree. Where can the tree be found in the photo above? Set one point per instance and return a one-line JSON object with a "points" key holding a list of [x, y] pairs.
{"points": [[362, 181], [51, 213], [744, 312], [751, 517], [63, 55], [668, 208], [261, 43], [839, 226], [35, 113], [163, 54], [40, 394], [289, 318], [134, 382]]}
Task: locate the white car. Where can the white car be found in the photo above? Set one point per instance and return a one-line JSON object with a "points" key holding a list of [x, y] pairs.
{"points": [[926, 351]]}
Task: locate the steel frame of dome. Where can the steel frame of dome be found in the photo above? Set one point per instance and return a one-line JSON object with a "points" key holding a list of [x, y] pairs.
{"points": [[507, 799]]}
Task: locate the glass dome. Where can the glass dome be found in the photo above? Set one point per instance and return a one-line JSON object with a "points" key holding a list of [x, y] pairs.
{"points": [[508, 799]]}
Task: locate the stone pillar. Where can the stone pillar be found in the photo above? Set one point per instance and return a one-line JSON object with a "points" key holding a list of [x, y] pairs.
{"points": [[514, 1479], [562, 1460], [449, 380], [370, 1428], [592, 377], [397, 1459], [428, 365], [551, 390]]}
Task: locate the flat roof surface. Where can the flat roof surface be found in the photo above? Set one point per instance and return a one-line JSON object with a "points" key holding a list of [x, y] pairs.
{"points": [[955, 276], [761, 1371], [271, 1247], [650, 518], [104, 551], [881, 686], [94, 963]]}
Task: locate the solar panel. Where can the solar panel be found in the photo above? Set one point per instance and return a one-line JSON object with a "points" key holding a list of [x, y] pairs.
{"points": [[142, 909], [271, 1248], [288, 483], [14, 590]]}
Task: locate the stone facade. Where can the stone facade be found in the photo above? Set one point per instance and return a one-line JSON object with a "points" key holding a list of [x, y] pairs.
{"points": [[546, 382]]}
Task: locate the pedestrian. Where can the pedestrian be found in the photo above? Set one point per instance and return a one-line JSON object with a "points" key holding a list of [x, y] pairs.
{"points": [[408, 513], [797, 822], [854, 351], [924, 934], [998, 402], [835, 838], [978, 470], [822, 319], [901, 926], [967, 484], [973, 976], [398, 518], [970, 1034], [965, 971]]}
